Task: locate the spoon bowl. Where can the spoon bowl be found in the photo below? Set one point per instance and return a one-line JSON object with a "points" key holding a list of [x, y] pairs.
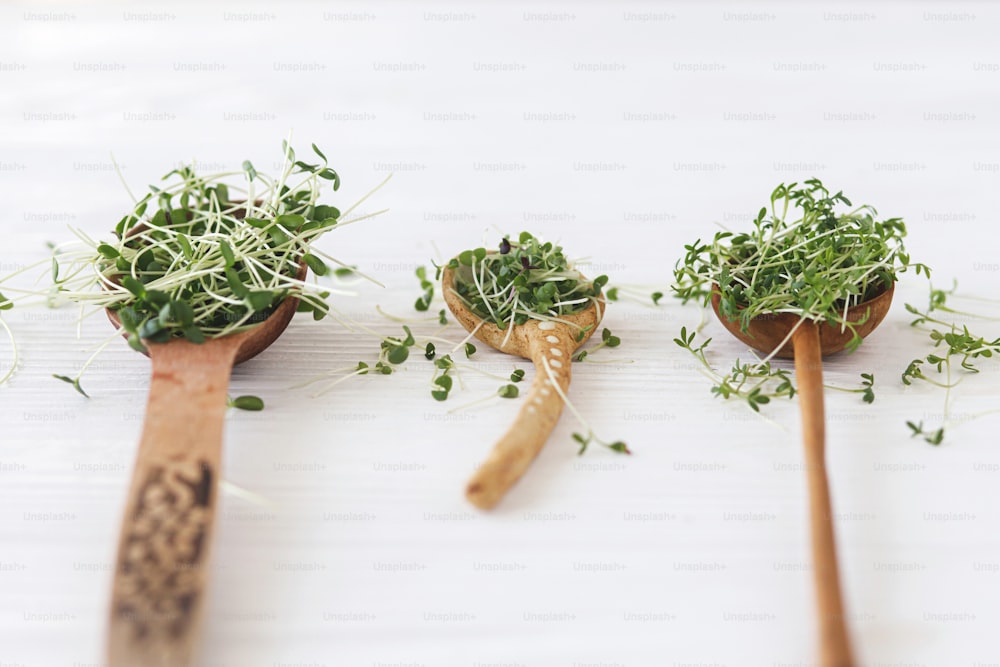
{"points": [[550, 346], [766, 332]]}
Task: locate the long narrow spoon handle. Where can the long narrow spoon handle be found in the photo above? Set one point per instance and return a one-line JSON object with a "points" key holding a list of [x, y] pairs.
{"points": [[835, 646], [551, 352], [163, 551]]}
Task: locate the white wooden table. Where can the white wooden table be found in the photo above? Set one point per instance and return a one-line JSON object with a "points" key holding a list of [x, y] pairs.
{"points": [[623, 131]]}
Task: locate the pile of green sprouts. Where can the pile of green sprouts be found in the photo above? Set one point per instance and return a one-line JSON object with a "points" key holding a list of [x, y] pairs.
{"points": [[522, 280], [804, 255], [205, 256]]}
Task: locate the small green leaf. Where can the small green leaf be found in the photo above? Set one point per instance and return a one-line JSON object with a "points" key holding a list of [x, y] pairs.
{"points": [[259, 300], [324, 213], [409, 340], [290, 220], [398, 354], [194, 334], [236, 283], [108, 251], [227, 253], [317, 265], [250, 171], [134, 286], [508, 391], [251, 403], [185, 245]]}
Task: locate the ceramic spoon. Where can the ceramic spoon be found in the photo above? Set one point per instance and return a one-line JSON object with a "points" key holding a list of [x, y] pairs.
{"points": [[809, 343], [163, 552], [550, 346]]}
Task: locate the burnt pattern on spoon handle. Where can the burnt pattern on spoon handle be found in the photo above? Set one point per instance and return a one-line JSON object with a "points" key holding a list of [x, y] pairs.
{"points": [[165, 540]]}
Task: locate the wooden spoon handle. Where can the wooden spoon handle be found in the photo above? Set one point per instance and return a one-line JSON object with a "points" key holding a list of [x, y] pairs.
{"points": [[551, 352], [835, 645], [163, 551]]}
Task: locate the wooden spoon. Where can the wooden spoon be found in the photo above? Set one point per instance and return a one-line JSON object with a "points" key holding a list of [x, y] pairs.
{"points": [[550, 346], [809, 343], [160, 581]]}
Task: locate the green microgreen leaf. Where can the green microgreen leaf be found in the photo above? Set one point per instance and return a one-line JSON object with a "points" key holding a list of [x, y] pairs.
{"points": [[250, 171], [507, 391], [251, 403], [317, 265]]}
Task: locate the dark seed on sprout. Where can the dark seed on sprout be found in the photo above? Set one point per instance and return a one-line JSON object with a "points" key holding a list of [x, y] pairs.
{"points": [[504, 246]]}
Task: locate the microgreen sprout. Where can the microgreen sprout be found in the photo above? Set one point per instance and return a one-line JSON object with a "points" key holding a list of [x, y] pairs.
{"points": [[607, 340], [585, 440], [953, 345], [867, 388], [74, 382], [644, 295], [423, 302], [754, 383], [442, 381]]}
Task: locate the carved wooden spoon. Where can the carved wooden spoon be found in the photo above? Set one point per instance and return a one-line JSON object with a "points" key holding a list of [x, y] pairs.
{"points": [[550, 346], [163, 552], [809, 343]]}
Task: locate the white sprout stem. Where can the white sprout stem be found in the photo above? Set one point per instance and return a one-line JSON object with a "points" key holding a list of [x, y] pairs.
{"points": [[472, 404], [510, 323], [365, 198], [469, 337], [329, 387], [15, 357], [121, 178]]}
